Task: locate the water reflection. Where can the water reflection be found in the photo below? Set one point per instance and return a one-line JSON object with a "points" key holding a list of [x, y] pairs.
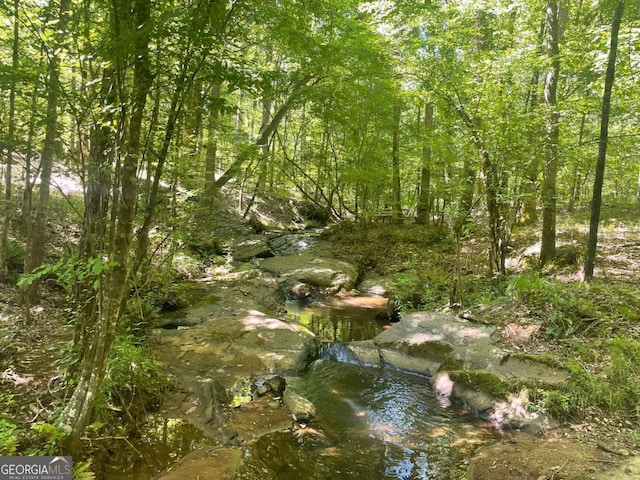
{"points": [[337, 320], [371, 424], [162, 442]]}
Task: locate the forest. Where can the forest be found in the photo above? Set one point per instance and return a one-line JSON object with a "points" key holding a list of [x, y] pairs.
{"points": [[484, 154]]}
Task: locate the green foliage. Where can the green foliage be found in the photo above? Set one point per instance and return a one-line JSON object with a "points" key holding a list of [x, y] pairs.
{"points": [[616, 386], [68, 271], [559, 326], [8, 437], [47, 439], [82, 471], [135, 380]]}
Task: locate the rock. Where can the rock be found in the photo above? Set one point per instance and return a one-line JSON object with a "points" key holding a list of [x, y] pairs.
{"points": [[274, 384], [277, 384], [466, 367], [255, 246], [248, 343], [302, 410], [326, 275]]}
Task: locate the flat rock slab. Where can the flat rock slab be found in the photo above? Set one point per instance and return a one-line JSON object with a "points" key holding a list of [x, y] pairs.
{"points": [[255, 246], [326, 274], [521, 457], [278, 345], [422, 328]]}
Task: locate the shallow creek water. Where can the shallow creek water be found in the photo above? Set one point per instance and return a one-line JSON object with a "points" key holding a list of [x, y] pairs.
{"points": [[371, 423]]}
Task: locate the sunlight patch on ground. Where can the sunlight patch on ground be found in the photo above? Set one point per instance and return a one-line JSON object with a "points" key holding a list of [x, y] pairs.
{"points": [[258, 320]]}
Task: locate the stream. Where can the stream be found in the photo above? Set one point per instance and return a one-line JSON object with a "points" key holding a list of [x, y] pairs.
{"points": [[371, 423]]}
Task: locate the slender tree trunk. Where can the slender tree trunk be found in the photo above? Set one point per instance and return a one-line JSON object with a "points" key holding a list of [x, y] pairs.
{"points": [[596, 201], [37, 240], [6, 221], [114, 282], [550, 172], [396, 202], [529, 213], [211, 151], [265, 133], [424, 200], [575, 176]]}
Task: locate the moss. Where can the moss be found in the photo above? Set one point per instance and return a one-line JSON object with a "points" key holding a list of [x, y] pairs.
{"points": [[210, 299], [451, 364], [480, 381], [547, 360], [428, 350]]}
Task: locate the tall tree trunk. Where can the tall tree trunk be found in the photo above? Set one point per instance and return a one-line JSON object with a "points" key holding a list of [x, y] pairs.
{"points": [[550, 172], [114, 279], [529, 212], [37, 239], [6, 221], [576, 174], [211, 151], [424, 200], [596, 201], [396, 202]]}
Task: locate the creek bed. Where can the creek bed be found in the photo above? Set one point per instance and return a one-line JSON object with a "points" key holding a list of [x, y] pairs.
{"points": [[371, 424]]}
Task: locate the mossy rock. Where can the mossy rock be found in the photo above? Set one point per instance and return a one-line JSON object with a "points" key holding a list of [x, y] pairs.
{"points": [[210, 299], [435, 351], [547, 360], [451, 364], [480, 381]]}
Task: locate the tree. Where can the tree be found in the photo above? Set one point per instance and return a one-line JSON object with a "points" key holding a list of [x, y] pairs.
{"points": [[96, 329], [596, 201], [11, 140], [424, 202], [36, 231], [549, 194]]}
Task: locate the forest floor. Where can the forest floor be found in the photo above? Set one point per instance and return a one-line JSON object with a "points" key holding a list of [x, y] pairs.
{"points": [[550, 312]]}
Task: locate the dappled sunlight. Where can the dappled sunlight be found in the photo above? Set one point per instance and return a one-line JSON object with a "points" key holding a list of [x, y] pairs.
{"points": [[258, 320], [342, 301], [272, 356], [420, 338]]}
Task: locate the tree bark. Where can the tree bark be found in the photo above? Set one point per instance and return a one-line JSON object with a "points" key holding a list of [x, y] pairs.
{"points": [[6, 221], [113, 287], [550, 172], [424, 200], [37, 239], [596, 202], [396, 202]]}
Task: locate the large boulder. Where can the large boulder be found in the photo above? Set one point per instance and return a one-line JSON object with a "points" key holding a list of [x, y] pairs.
{"points": [[318, 274], [252, 339], [255, 246]]}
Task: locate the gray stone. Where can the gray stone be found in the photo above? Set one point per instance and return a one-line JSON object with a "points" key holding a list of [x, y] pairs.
{"points": [[253, 247], [302, 410], [328, 275]]}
